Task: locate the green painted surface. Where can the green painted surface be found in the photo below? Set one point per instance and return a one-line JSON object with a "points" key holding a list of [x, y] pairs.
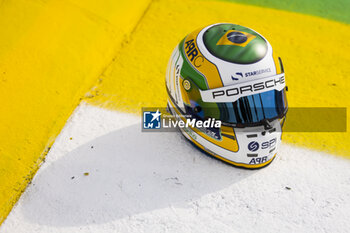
{"points": [[338, 10], [252, 52]]}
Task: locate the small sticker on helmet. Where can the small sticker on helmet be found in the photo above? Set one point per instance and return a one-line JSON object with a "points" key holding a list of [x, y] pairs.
{"points": [[186, 84]]}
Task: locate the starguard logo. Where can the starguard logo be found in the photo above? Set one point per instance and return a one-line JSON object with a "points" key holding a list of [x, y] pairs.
{"points": [[153, 120]]}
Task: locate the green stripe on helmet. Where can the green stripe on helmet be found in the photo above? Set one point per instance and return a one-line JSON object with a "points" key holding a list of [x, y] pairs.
{"points": [[187, 71]]}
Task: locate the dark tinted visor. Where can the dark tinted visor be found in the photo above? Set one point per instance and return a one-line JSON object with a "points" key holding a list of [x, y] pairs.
{"points": [[251, 110], [246, 111]]}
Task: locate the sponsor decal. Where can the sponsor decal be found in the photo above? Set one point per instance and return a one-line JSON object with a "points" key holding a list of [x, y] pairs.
{"points": [[253, 146], [269, 144], [190, 132], [237, 74], [186, 84], [234, 92], [191, 50], [256, 72], [258, 160]]}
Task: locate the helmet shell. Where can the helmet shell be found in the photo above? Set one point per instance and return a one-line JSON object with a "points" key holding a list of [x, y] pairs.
{"points": [[223, 55]]}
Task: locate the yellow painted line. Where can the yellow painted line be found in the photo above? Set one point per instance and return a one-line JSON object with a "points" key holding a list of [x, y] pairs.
{"points": [[51, 53], [315, 53]]}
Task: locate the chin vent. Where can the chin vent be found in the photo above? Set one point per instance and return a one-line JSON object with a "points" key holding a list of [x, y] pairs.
{"points": [[272, 130]]}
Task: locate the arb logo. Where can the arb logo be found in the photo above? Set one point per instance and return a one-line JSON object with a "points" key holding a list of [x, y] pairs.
{"points": [[151, 120]]}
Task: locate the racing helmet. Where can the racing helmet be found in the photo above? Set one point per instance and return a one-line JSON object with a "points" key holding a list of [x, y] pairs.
{"points": [[229, 73]]}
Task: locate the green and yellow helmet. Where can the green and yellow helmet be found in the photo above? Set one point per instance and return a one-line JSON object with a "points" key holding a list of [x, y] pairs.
{"points": [[229, 73]]}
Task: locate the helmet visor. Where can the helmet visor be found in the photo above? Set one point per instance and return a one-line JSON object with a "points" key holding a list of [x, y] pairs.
{"points": [[246, 111], [254, 109]]}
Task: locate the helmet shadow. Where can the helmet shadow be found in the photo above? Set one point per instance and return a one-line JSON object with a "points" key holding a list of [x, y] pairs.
{"points": [[123, 173]]}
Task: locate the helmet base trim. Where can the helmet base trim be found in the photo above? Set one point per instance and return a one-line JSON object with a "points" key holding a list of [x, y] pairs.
{"points": [[222, 159]]}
